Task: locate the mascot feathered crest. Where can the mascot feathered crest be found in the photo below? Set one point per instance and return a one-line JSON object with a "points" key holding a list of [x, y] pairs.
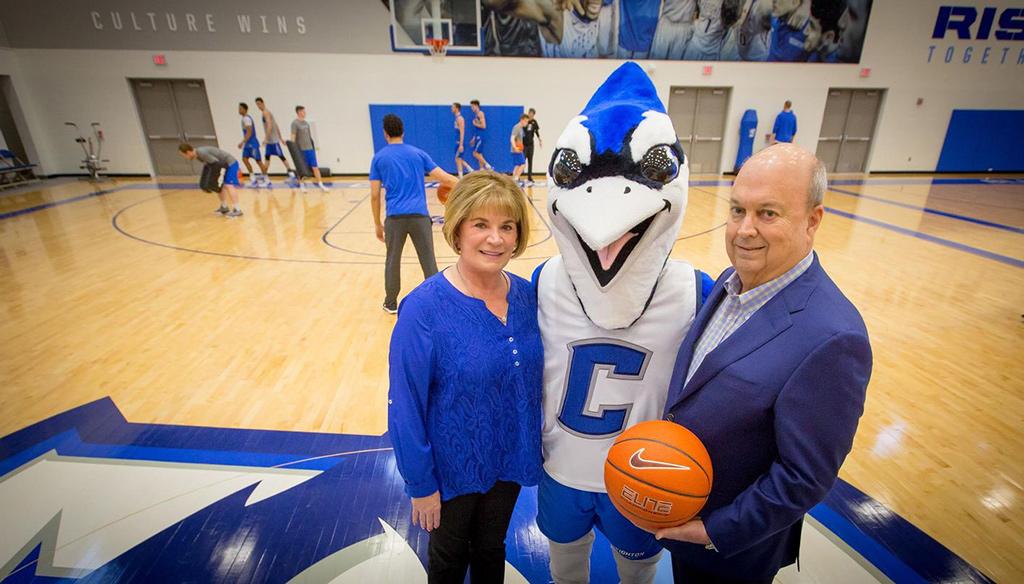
{"points": [[617, 195]]}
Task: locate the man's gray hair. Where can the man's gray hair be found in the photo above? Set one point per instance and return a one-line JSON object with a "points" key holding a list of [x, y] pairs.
{"points": [[819, 184]]}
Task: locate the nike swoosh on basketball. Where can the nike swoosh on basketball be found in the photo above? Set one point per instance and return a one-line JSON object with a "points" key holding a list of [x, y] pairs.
{"points": [[637, 461]]}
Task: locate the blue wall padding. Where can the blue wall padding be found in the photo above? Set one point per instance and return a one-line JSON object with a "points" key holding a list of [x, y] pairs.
{"points": [[432, 128], [983, 140]]}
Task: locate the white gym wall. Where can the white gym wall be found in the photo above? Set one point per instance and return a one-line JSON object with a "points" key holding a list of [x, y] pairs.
{"points": [[57, 84]]}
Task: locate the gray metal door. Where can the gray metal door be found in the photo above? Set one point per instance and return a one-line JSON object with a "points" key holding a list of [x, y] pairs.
{"points": [[698, 114], [194, 113], [174, 111], [848, 128], [682, 110]]}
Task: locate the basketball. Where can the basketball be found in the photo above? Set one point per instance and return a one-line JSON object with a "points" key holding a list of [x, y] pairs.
{"points": [[518, 147], [442, 193], [658, 474]]}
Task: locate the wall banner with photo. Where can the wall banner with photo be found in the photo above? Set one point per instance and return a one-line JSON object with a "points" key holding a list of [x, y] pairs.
{"points": [[793, 31]]}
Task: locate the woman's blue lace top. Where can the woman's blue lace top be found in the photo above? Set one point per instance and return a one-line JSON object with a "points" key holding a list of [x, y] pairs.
{"points": [[464, 405]]}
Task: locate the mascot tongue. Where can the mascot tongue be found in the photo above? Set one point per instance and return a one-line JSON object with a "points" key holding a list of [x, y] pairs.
{"points": [[608, 253]]}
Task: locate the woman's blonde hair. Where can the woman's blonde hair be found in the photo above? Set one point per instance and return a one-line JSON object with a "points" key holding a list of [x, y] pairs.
{"points": [[486, 189]]}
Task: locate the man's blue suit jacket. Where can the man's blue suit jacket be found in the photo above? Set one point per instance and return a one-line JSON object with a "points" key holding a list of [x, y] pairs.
{"points": [[776, 404]]}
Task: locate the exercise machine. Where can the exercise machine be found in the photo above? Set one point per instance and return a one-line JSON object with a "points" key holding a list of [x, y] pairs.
{"points": [[92, 147]]}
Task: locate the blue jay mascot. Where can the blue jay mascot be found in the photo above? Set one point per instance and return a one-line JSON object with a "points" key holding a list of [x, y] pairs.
{"points": [[613, 310]]}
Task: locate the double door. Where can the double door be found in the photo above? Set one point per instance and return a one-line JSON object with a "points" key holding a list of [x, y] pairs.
{"points": [[174, 111], [848, 128], [698, 114]]}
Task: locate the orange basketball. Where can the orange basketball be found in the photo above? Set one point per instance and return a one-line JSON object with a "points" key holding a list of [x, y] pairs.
{"points": [[442, 193], [658, 474]]}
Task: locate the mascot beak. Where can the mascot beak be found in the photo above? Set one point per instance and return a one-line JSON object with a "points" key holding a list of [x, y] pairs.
{"points": [[608, 213]]}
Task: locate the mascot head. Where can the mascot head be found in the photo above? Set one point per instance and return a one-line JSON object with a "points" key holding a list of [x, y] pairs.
{"points": [[616, 197]]}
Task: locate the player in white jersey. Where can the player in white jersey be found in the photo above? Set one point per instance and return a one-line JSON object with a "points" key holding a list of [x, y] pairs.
{"points": [[708, 32], [754, 30], [585, 34], [613, 310], [272, 142], [675, 29]]}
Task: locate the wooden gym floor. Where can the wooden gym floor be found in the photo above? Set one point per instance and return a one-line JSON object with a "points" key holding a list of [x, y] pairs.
{"points": [[137, 291]]}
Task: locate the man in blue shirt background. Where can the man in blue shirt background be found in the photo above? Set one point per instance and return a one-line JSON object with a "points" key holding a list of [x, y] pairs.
{"points": [[399, 168], [784, 129]]}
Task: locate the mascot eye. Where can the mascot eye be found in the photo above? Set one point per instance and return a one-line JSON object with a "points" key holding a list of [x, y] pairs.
{"points": [[659, 164], [567, 167]]}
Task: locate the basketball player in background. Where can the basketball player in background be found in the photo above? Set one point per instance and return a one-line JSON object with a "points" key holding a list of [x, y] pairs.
{"points": [[749, 36], [476, 141], [675, 29], [397, 169], [516, 142], [272, 140], [303, 138], [636, 25], [530, 133], [520, 27], [853, 25], [793, 32], [460, 140], [708, 32], [587, 31], [250, 146], [825, 15], [209, 155]]}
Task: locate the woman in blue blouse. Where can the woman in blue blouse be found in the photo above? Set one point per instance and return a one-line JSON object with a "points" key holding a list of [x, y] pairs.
{"points": [[464, 406]]}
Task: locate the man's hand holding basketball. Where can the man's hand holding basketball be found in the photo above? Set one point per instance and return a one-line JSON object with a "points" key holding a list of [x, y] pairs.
{"points": [[691, 532], [426, 511]]}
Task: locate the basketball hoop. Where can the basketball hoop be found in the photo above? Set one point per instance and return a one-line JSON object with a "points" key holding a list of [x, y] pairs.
{"points": [[438, 48]]}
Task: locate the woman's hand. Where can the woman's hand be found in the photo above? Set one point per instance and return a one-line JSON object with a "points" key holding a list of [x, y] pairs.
{"points": [[426, 511]]}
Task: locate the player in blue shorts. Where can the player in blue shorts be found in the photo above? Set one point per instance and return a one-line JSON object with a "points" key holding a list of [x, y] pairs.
{"points": [[304, 140], [479, 124], [250, 146], [209, 155], [461, 135], [272, 140], [516, 141]]}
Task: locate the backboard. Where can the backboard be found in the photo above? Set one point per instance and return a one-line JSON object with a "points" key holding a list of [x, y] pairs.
{"points": [[415, 22]]}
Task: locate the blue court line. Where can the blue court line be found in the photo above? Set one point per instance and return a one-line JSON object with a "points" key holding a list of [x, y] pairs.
{"points": [[1009, 228], [27, 210], [925, 181], [703, 183], [889, 542], [81, 449], [931, 238], [139, 186], [871, 550]]}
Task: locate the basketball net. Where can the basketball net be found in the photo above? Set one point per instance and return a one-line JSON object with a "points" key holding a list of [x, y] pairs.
{"points": [[438, 49]]}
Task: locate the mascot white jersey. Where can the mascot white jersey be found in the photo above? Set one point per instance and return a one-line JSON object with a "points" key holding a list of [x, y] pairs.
{"points": [[613, 306]]}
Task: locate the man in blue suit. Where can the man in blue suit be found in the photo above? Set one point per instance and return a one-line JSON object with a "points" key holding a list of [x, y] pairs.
{"points": [[771, 377]]}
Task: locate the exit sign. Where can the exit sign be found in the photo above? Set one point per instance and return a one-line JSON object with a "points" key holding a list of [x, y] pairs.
{"points": [[159, 60]]}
